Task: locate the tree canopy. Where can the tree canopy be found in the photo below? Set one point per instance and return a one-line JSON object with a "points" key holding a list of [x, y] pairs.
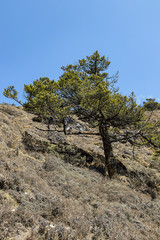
{"points": [[150, 104], [87, 90], [43, 99]]}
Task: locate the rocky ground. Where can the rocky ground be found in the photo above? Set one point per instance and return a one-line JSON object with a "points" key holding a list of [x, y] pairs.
{"points": [[52, 186]]}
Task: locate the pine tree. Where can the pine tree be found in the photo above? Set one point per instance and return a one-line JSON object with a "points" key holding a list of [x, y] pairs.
{"points": [[87, 88]]}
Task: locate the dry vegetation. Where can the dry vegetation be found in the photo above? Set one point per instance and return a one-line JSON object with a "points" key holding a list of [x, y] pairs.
{"points": [[54, 190]]}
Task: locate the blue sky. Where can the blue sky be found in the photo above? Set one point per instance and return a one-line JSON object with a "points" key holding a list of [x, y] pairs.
{"points": [[37, 37]]}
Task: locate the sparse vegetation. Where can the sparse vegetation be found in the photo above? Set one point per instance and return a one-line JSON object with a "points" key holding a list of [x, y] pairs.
{"points": [[44, 197]]}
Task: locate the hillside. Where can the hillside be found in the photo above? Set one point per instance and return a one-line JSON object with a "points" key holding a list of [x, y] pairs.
{"points": [[52, 186]]}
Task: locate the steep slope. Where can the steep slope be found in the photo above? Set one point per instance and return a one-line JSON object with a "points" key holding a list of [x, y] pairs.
{"points": [[51, 186]]}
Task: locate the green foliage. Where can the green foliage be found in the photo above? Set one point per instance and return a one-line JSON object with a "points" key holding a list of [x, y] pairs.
{"points": [[11, 92], [85, 89], [40, 90], [93, 97], [43, 100], [150, 104], [94, 64], [151, 134]]}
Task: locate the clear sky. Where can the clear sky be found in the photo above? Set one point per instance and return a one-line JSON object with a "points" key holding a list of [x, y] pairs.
{"points": [[37, 37]]}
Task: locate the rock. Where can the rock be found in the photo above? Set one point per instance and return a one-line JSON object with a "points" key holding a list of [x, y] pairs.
{"points": [[34, 142], [80, 127], [72, 124], [57, 138]]}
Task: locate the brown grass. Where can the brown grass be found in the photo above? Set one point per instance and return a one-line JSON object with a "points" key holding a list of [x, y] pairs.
{"points": [[44, 195]]}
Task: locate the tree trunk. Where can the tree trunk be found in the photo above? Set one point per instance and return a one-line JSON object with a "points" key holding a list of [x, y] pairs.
{"points": [[107, 150], [64, 126], [48, 126]]}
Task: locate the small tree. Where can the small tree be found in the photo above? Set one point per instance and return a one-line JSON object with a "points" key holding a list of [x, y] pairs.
{"points": [[92, 96], [150, 104], [42, 99], [10, 92]]}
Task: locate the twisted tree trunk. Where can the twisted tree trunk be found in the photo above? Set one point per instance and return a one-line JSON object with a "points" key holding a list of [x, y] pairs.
{"points": [[107, 146]]}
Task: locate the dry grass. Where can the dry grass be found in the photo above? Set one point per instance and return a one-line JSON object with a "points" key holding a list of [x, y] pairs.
{"points": [[43, 197]]}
